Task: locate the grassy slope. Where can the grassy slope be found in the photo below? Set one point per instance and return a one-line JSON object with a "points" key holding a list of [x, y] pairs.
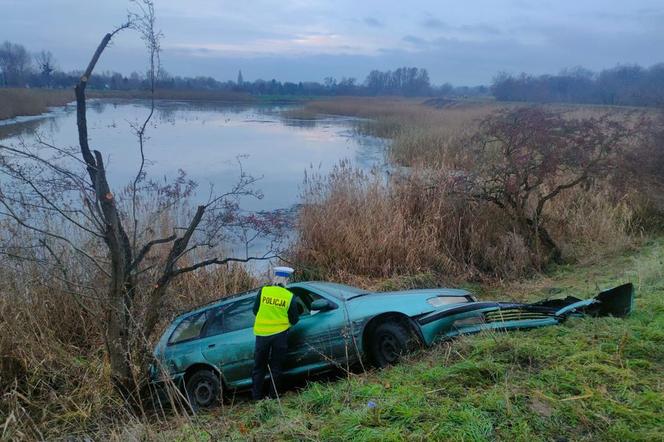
{"points": [[590, 379]]}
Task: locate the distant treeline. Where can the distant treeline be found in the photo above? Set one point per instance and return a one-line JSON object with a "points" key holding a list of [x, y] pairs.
{"points": [[20, 68], [629, 85], [626, 85]]}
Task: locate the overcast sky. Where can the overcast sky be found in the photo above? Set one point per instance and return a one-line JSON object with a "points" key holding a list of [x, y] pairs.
{"points": [[465, 42]]}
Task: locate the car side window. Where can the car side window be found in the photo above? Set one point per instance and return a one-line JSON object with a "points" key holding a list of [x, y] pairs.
{"points": [[215, 325], [231, 317], [190, 328], [304, 298], [239, 315]]}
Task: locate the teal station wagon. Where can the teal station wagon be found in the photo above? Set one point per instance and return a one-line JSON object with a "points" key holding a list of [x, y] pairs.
{"points": [[210, 350]]}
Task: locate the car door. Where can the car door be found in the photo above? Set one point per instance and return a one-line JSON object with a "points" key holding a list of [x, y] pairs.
{"points": [[318, 338], [229, 340]]}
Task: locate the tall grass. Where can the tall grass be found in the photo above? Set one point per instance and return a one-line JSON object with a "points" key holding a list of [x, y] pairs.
{"points": [[177, 94], [24, 102], [405, 229], [54, 377], [425, 134], [419, 133], [356, 225], [54, 372]]}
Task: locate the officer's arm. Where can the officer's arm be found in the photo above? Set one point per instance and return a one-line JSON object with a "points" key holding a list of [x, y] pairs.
{"points": [[293, 313], [257, 301]]}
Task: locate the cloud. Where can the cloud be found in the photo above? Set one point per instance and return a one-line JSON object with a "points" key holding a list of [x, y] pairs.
{"points": [[416, 41], [298, 44], [476, 29], [434, 23], [462, 42], [373, 22], [481, 28]]}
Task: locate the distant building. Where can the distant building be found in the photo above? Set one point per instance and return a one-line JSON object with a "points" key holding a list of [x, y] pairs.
{"points": [[240, 80]]}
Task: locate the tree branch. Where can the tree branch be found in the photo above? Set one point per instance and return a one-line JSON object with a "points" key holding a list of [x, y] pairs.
{"points": [[147, 247], [218, 261]]}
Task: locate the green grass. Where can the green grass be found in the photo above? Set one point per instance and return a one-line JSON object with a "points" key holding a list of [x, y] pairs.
{"points": [[598, 379]]}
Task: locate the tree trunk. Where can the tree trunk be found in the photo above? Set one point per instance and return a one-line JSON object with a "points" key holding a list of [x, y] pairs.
{"points": [[117, 333], [539, 236], [121, 285]]}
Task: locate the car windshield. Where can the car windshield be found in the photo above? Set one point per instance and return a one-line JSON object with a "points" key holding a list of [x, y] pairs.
{"points": [[339, 291]]}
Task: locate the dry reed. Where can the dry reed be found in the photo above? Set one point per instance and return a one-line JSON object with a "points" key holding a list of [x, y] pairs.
{"points": [[54, 373], [25, 102], [363, 228], [16, 102]]}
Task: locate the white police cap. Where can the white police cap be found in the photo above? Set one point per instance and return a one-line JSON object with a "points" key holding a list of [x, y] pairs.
{"points": [[284, 272]]}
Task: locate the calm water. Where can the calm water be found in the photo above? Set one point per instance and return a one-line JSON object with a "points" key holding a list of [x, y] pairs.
{"points": [[205, 140]]}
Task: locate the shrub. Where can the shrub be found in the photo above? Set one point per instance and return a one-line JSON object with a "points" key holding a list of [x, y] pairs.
{"points": [[530, 186], [358, 224]]}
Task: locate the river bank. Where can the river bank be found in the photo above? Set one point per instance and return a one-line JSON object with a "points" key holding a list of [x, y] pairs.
{"points": [[29, 102], [22, 102]]}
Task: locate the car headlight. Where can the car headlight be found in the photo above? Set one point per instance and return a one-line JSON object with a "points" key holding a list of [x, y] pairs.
{"points": [[467, 322], [439, 301]]}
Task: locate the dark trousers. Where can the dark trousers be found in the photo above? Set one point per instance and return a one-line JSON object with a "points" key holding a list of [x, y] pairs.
{"points": [[270, 350]]}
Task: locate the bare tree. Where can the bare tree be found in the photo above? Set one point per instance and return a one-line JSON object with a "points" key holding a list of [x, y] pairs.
{"points": [[46, 65], [58, 200], [523, 158], [14, 63]]}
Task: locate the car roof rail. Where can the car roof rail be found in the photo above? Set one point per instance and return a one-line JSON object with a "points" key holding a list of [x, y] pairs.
{"points": [[223, 298]]}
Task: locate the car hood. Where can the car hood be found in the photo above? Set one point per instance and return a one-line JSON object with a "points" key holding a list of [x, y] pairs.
{"points": [[409, 302]]}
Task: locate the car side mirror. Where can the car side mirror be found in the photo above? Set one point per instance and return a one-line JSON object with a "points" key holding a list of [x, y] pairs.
{"points": [[321, 305]]}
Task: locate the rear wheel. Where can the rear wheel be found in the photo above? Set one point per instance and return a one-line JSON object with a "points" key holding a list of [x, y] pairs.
{"points": [[389, 342], [203, 389]]}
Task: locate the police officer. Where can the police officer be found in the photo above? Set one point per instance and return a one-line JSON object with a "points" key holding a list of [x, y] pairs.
{"points": [[275, 313]]}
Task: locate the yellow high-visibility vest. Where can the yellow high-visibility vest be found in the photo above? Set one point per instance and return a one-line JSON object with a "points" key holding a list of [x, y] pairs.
{"points": [[272, 316]]}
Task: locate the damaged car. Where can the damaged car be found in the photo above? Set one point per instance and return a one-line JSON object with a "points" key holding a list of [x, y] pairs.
{"points": [[210, 350]]}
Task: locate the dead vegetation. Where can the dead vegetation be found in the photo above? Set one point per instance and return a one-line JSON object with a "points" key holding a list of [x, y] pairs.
{"points": [[91, 273], [355, 226], [412, 228], [178, 95], [54, 372], [487, 193], [26, 102]]}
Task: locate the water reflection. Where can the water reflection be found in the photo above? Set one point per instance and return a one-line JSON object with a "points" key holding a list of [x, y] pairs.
{"points": [[205, 139], [25, 126], [301, 123]]}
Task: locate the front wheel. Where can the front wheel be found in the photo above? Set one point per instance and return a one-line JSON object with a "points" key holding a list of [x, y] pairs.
{"points": [[203, 389], [389, 342]]}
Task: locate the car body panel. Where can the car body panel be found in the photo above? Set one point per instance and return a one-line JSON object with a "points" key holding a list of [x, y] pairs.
{"points": [[233, 355], [316, 338], [335, 337]]}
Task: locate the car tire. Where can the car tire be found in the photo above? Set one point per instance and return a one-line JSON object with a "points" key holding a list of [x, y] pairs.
{"points": [[203, 389], [389, 342]]}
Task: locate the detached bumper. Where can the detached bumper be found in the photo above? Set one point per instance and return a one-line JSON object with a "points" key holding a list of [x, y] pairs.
{"points": [[478, 316]]}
